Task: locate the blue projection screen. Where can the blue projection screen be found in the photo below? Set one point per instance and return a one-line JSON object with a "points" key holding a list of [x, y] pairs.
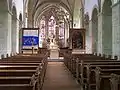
{"points": [[30, 39]]}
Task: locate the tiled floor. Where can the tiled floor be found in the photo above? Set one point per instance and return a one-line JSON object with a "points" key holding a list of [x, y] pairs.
{"points": [[58, 78]]}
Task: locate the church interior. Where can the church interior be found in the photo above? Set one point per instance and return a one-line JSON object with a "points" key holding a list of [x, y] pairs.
{"points": [[59, 44]]}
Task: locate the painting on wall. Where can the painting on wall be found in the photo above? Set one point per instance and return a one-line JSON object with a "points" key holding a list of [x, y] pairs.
{"points": [[77, 37]]}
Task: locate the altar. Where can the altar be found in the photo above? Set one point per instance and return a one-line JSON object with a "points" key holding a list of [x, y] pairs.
{"points": [[54, 50]]}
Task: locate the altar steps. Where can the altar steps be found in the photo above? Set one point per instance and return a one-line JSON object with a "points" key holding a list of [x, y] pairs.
{"points": [[60, 59]]}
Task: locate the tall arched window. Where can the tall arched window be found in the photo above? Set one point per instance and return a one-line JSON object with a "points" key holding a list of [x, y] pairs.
{"points": [[42, 31], [51, 26], [61, 33], [42, 28]]}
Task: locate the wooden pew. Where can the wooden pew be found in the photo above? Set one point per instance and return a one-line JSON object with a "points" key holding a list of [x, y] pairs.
{"points": [[105, 80], [89, 74], [22, 78], [19, 64], [14, 80], [16, 73], [20, 61], [16, 87], [70, 60], [73, 63], [13, 83], [84, 70], [19, 79], [18, 67], [94, 63]]}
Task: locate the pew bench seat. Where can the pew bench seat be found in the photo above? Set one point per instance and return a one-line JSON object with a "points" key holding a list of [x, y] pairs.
{"points": [[16, 87], [16, 67], [15, 80]]}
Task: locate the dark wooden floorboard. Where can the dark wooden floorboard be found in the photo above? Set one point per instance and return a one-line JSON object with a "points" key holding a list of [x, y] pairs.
{"points": [[59, 78]]}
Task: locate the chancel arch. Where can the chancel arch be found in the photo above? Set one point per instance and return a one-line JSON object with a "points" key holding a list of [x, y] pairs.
{"points": [[56, 21], [94, 30], [48, 27], [107, 27]]}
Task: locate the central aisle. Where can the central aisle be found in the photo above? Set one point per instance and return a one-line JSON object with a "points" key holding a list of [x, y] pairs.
{"points": [[58, 78]]}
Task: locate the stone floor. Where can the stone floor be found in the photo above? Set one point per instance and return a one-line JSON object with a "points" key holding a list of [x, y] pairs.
{"points": [[59, 78]]}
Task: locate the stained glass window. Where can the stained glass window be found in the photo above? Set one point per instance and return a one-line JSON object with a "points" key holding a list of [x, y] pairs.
{"points": [[61, 34], [51, 29], [42, 31], [42, 28], [51, 26], [61, 31]]}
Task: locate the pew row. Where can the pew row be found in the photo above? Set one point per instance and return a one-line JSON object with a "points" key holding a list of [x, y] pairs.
{"points": [[84, 70], [22, 73]]}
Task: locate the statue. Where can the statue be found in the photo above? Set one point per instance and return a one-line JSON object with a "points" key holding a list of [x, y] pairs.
{"points": [[53, 43], [52, 39]]}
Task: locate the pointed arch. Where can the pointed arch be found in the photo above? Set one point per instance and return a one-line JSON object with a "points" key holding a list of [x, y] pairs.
{"points": [[86, 19], [20, 16]]}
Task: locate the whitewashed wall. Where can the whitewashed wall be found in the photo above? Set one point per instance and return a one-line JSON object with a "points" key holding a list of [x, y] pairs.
{"points": [[6, 25]]}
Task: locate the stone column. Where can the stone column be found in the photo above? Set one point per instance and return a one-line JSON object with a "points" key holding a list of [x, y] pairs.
{"points": [[9, 34], [116, 29], [66, 33], [20, 41], [82, 18], [57, 33], [20, 36], [17, 36], [14, 34], [100, 23], [89, 38], [5, 24], [46, 28]]}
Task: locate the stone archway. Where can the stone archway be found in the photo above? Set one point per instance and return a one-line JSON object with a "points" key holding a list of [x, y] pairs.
{"points": [[94, 30], [14, 30], [107, 28]]}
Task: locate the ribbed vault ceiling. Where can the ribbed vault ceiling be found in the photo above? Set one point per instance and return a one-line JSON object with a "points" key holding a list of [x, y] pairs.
{"points": [[37, 7]]}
